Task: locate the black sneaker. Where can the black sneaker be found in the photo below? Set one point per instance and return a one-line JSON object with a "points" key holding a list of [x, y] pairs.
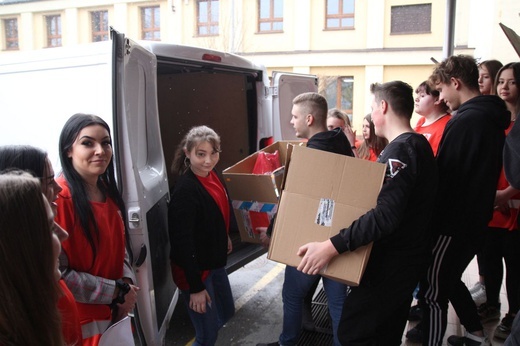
{"points": [[415, 313], [504, 328], [488, 313], [415, 334], [468, 340]]}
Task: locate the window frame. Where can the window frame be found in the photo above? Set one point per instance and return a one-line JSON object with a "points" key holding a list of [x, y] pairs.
{"points": [[272, 20], [153, 29], [334, 83], [103, 26], [48, 30], [9, 39], [340, 16], [209, 24]]}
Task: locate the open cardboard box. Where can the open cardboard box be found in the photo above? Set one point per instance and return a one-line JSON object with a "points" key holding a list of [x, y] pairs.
{"points": [[255, 197], [323, 193]]}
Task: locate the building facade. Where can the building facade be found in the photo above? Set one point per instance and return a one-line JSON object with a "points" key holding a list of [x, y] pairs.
{"points": [[348, 44]]}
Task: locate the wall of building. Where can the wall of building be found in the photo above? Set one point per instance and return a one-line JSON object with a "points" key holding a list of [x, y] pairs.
{"points": [[369, 52]]}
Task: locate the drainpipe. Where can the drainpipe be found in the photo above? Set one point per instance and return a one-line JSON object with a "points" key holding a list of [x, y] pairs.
{"points": [[449, 30]]}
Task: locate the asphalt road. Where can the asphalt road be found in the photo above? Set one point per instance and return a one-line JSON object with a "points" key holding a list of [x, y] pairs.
{"points": [[258, 304]]}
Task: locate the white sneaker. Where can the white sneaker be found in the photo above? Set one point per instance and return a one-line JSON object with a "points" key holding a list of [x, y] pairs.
{"points": [[479, 295], [468, 340], [476, 287]]}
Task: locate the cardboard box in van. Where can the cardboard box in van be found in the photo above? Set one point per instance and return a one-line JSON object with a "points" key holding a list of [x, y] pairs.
{"points": [[323, 193], [255, 197]]}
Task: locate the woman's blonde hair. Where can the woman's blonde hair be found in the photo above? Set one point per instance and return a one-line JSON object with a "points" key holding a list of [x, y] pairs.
{"points": [[338, 114]]}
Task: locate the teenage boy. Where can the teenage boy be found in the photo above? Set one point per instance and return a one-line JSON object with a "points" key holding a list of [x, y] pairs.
{"points": [[309, 119], [375, 312], [469, 162], [434, 114]]}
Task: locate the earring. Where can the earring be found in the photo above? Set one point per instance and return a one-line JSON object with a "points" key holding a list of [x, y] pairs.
{"points": [[186, 161]]}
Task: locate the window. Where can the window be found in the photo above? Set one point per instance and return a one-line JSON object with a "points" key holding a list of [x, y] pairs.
{"points": [[340, 14], [207, 17], [11, 33], [270, 15], [339, 92], [99, 26], [53, 30], [151, 23], [411, 19]]}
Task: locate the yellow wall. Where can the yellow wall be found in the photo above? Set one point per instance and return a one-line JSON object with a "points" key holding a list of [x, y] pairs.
{"points": [[413, 75]]}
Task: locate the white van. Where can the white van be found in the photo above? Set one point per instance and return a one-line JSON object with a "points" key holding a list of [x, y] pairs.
{"points": [[150, 94]]}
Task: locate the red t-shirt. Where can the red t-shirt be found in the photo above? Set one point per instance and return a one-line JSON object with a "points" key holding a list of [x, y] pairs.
{"points": [[433, 132], [110, 254], [507, 220], [215, 188]]}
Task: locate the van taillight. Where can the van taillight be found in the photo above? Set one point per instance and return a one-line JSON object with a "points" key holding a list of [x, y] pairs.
{"points": [[211, 57]]}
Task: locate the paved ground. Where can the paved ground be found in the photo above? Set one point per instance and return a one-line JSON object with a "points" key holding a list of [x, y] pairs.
{"points": [[257, 291]]}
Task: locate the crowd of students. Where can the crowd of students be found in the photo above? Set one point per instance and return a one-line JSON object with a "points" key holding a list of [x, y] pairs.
{"points": [[447, 196]]}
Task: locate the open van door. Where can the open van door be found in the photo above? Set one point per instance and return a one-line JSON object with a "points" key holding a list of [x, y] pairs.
{"points": [[143, 182], [285, 87]]}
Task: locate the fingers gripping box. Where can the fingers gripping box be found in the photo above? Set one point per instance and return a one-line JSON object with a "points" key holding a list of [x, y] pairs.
{"points": [[324, 193]]}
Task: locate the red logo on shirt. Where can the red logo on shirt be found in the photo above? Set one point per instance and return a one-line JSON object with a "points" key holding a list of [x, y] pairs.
{"points": [[395, 166]]}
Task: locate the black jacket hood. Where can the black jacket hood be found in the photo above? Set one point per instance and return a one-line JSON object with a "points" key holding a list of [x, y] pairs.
{"points": [[333, 141], [492, 108]]}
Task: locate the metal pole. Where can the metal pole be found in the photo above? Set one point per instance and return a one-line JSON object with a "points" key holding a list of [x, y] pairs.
{"points": [[449, 32]]}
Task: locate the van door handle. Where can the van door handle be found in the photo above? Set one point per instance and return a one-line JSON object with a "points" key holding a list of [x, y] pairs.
{"points": [[134, 217]]}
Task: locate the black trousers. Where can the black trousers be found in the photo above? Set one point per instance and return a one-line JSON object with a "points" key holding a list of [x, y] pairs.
{"points": [[502, 244], [375, 313], [443, 284]]}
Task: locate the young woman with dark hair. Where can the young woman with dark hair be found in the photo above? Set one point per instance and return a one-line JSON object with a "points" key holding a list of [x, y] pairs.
{"points": [[96, 264], [35, 161]]}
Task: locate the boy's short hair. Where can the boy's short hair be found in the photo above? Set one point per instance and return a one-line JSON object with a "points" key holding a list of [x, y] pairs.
{"points": [[313, 103], [431, 91], [398, 94], [462, 67]]}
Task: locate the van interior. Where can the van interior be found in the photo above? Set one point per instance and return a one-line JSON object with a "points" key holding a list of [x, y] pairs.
{"points": [[191, 94]]}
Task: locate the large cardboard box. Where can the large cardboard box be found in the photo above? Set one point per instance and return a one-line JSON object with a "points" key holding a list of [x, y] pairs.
{"points": [[255, 197], [324, 193]]}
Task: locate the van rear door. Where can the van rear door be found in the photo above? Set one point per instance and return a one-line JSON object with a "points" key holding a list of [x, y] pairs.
{"points": [[143, 182], [285, 87]]}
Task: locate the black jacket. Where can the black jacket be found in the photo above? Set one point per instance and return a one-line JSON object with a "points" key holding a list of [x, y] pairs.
{"points": [[469, 160], [398, 225], [197, 230]]}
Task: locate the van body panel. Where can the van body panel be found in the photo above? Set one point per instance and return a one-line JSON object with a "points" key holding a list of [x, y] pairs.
{"points": [[40, 91], [143, 183], [286, 86], [150, 94]]}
